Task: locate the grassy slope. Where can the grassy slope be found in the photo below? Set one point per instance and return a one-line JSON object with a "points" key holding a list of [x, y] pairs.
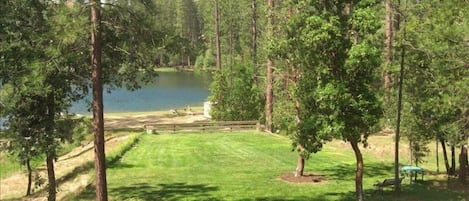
{"points": [[244, 166]]}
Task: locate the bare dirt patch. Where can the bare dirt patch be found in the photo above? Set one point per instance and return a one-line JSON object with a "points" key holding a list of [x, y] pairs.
{"points": [[306, 178], [15, 185]]}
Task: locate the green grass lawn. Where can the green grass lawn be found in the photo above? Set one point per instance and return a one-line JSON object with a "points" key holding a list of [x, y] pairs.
{"points": [[246, 166]]}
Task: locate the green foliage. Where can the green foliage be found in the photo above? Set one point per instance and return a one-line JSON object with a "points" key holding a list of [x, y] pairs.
{"points": [[435, 81], [284, 117], [209, 59], [337, 62], [36, 87], [45, 58], [234, 95]]}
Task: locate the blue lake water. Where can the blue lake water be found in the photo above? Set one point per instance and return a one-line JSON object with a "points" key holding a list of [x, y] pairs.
{"points": [[169, 90]]}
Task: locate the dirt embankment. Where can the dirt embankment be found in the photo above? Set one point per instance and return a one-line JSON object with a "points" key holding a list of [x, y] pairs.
{"points": [[70, 169]]}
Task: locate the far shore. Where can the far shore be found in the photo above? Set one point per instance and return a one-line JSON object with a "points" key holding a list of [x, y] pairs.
{"points": [[195, 109]]}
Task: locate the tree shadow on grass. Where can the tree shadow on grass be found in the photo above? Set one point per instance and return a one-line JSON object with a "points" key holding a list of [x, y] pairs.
{"points": [[150, 192], [303, 198], [172, 191], [342, 171], [424, 191]]}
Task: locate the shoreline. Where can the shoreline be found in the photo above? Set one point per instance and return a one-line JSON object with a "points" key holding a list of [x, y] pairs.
{"points": [[195, 109]]}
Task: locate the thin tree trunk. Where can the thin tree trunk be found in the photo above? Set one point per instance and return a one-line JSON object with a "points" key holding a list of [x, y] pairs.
{"points": [[388, 49], [50, 152], [445, 156], [30, 177], [269, 96], [463, 160], [463, 164], [51, 178], [397, 187], [453, 160], [269, 82], [359, 173], [301, 161], [254, 40], [98, 117], [217, 35], [300, 166], [231, 43], [437, 158], [411, 155]]}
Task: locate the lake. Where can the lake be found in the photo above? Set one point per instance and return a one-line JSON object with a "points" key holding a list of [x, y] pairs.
{"points": [[170, 90]]}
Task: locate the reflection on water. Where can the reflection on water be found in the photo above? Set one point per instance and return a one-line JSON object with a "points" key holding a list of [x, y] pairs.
{"points": [[170, 90]]}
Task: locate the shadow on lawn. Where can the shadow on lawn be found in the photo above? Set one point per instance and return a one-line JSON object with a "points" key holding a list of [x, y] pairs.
{"points": [[172, 191], [416, 192], [147, 192], [371, 170], [423, 190]]}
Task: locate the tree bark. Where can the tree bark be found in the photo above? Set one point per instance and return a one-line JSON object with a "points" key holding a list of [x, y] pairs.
{"points": [[30, 177], [453, 160], [269, 81], [388, 49], [463, 164], [437, 158], [359, 173], [445, 156], [51, 178], [300, 166], [98, 116], [397, 186], [269, 96], [254, 40], [217, 35], [463, 160], [50, 152]]}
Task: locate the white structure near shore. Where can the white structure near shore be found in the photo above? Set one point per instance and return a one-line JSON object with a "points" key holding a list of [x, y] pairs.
{"points": [[207, 108]]}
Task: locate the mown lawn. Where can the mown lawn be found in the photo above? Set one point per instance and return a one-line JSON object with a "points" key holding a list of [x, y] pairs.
{"points": [[246, 166]]}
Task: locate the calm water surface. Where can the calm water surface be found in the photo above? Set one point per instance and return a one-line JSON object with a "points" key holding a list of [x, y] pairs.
{"points": [[169, 90]]}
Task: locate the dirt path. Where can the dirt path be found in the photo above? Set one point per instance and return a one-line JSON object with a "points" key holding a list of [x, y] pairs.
{"points": [[69, 164], [15, 185]]}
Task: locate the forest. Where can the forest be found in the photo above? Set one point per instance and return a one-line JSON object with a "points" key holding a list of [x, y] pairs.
{"points": [[312, 70]]}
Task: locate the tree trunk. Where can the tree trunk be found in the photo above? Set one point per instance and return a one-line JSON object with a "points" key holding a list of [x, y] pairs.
{"points": [[269, 82], [231, 45], [300, 166], [98, 119], [397, 186], [445, 156], [217, 35], [359, 173], [388, 49], [437, 158], [463, 161], [269, 96], [411, 153], [50, 152], [51, 178], [463, 164], [254, 40], [30, 177], [453, 160]]}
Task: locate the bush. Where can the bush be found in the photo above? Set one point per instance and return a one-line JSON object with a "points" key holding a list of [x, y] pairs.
{"points": [[235, 96]]}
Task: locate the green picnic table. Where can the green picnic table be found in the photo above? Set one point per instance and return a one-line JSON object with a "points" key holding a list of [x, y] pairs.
{"points": [[412, 171]]}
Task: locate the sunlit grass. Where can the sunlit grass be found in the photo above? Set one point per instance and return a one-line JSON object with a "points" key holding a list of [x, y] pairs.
{"points": [[246, 166]]}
